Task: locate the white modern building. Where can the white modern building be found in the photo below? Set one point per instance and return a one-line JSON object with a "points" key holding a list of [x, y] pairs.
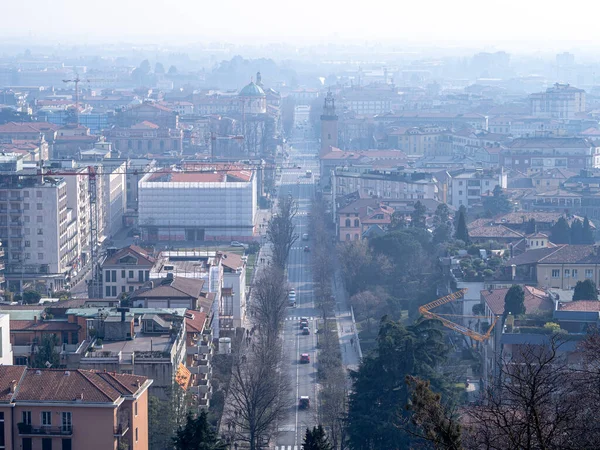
{"points": [[467, 186], [215, 202], [6, 354]]}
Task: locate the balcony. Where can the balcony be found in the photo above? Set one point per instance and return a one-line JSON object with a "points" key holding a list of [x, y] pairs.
{"points": [[30, 430], [121, 429]]}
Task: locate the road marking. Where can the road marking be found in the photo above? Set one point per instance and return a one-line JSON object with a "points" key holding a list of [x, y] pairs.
{"points": [[298, 318]]}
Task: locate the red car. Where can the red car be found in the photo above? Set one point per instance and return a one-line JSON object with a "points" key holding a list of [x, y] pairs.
{"points": [[304, 358]]}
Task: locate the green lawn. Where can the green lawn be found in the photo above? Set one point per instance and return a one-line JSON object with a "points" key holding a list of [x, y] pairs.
{"points": [[250, 268]]}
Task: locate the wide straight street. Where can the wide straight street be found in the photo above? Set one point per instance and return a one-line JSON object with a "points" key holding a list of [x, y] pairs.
{"points": [[303, 376]]}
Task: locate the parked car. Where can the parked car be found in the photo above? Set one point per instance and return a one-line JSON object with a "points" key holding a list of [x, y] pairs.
{"points": [[304, 402], [304, 358]]}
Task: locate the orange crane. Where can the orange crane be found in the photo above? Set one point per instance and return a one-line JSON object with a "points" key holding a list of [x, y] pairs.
{"points": [[425, 311]]}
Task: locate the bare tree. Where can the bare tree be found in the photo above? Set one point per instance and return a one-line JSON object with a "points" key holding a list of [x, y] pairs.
{"points": [[281, 230], [269, 301], [535, 405], [259, 394]]}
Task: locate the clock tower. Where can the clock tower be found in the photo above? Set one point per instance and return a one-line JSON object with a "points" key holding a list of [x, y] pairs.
{"points": [[329, 125]]}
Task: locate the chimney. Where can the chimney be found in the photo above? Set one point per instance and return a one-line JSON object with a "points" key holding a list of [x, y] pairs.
{"points": [[34, 319], [513, 271], [13, 386]]}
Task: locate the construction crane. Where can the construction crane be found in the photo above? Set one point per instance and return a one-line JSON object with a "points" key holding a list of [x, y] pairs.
{"points": [[425, 311], [78, 80]]}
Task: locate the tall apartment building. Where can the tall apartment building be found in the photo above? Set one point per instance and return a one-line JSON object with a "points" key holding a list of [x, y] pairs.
{"points": [[37, 228], [72, 409], [562, 101], [207, 202]]}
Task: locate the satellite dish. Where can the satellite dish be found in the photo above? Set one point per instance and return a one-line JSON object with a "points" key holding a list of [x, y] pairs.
{"points": [[48, 364]]}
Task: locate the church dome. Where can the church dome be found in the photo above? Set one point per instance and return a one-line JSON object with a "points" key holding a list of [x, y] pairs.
{"points": [[252, 90]]}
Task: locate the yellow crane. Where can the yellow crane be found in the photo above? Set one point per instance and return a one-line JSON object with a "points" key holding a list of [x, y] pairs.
{"points": [[425, 311]]}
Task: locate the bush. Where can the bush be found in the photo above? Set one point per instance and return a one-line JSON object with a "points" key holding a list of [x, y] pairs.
{"points": [[253, 247], [31, 297]]}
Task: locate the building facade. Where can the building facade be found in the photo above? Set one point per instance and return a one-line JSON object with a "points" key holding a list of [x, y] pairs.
{"points": [[562, 101], [209, 202]]}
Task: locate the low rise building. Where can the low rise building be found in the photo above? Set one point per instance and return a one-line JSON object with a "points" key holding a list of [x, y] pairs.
{"points": [[561, 101], [72, 409], [125, 270], [358, 217]]}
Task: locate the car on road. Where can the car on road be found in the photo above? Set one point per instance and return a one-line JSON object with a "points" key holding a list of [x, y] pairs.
{"points": [[304, 402], [304, 358], [237, 244], [305, 330], [303, 319], [298, 167], [305, 237], [304, 324], [306, 249], [292, 298]]}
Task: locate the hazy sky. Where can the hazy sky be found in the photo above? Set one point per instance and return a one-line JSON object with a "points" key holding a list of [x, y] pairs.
{"points": [[471, 21]]}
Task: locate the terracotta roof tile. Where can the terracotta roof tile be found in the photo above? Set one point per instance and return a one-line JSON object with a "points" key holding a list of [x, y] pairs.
{"points": [[144, 258], [59, 385], [580, 305], [8, 374], [535, 300], [195, 323]]}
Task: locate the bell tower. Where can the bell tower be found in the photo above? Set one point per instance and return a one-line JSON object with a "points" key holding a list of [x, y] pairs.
{"points": [[329, 125]]}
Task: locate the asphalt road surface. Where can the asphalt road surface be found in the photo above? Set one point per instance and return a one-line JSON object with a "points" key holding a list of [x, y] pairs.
{"points": [[303, 377]]}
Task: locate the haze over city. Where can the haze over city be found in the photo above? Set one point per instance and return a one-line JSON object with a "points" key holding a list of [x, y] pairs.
{"points": [[313, 225]]}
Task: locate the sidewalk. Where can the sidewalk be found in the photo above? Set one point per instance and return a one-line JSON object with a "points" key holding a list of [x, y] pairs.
{"points": [[348, 336]]}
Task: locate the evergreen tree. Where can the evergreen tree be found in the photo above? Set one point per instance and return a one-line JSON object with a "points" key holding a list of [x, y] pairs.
{"points": [[560, 233], [159, 68], [585, 290], [441, 215], [377, 403], [418, 216], [197, 434], [498, 202], [462, 232], [514, 301], [316, 439], [46, 353], [588, 233], [576, 232]]}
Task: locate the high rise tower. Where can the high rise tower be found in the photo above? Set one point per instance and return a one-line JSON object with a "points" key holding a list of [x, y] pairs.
{"points": [[329, 125]]}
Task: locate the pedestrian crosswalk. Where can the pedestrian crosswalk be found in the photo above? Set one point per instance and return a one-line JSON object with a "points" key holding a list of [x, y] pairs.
{"points": [[298, 318], [286, 447]]}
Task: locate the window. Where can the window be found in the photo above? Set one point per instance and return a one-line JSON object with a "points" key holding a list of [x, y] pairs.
{"points": [[40, 231], [46, 418], [40, 244], [39, 206], [26, 417], [589, 273], [27, 243], [26, 206], [574, 274], [114, 276], [122, 288], [348, 223], [131, 274], [40, 256], [147, 275], [567, 273], [136, 434], [66, 444], [347, 236], [460, 183], [555, 273], [40, 219], [2, 437], [123, 273], [114, 291], [46, 443], [108, 276], [27, 219], [460, 192], [130, 288], [67, 424], [27, 444], [356, 223], [135, 408], [108, 291]]}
